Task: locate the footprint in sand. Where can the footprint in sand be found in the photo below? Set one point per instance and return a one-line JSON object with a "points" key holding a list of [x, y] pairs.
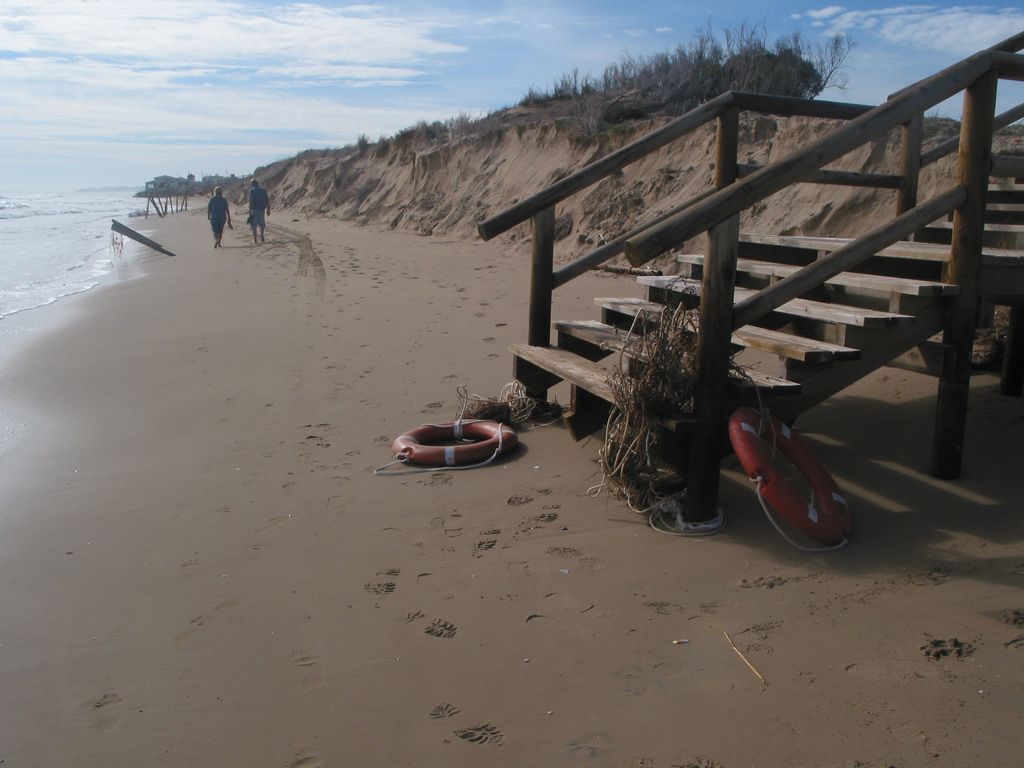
{"points": [[1014, 618], [441, 628], [564, 552], [764, 582], [483, 545], [518, 500], [307, 758], [442, 711], [484, 733], [437, 478], [663, 608], [380, 587], [937, 649], [102, 708], [106, 700], [310, 665]]}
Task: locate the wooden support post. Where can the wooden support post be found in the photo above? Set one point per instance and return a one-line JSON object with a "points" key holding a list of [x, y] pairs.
{"points": [[710, 395], [541, 277], [910, 162], [587, 413], [964, 269], [1012, 381]]}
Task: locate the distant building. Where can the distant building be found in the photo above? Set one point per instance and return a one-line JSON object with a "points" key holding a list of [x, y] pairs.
{"points": [[164, 186], [211, 181]]}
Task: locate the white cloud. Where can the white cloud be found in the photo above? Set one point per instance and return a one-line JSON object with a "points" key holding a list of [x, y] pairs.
{"points": [[225, 33], [957, 30], [827, 12]]}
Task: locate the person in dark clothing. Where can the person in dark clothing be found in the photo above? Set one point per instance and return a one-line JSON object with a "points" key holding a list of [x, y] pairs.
{"points": [[219, 214], [259, 209]]}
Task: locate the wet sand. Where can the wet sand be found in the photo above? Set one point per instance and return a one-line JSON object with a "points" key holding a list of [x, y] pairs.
{"points": [[199, 568]]}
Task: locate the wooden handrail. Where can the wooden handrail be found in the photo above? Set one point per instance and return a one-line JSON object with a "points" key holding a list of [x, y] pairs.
{"points": [[1011, 44], [613, 248], [841, 260], [1008, 165], [608, 164], [789, 106], [1010, 66], [949, 146], [770, 179], [841, 178]]}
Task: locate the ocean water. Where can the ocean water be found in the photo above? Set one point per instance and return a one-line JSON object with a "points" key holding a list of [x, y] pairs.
{"points": [[55, 245], [52, 246]]}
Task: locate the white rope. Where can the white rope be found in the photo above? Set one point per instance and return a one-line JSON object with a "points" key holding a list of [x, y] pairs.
{"points": [[680, 527], [771, 519]]}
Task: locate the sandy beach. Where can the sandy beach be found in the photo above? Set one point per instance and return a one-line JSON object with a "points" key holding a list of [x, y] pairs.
{"points": [[199, 567]]}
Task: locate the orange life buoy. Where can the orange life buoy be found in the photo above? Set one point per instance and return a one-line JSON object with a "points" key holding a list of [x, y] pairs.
{"points": [[485, 440], [826, 518]]}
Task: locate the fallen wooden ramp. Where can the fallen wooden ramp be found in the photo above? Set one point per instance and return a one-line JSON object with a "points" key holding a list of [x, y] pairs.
{"points": [[128, 232]]}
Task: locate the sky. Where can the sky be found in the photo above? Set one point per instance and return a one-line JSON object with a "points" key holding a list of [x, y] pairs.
{"points": [[98, 93]]}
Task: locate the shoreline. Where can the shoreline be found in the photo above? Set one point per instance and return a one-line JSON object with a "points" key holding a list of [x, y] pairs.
{"points": [[22, 329], [200, 568]]}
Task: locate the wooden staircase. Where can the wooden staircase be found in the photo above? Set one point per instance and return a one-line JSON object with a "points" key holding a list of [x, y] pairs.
{"points": [[821, 312]]}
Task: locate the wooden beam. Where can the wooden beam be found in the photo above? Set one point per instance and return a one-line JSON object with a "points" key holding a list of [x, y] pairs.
{"points": [[587, 414], [128, 232], [820, 383], [1009, 65], [770, 179], [543, 254], [964, 269], [910, 162], [1012, 380], [837, 178], [1008, 165], [608, 164], [841, 260], [788, 106], [1011, 44], [949, 146], [710, 386]]}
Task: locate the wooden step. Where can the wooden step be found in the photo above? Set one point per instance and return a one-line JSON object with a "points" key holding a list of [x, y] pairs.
{"points": [[604, 336], [567, 367], [1004, 195], [993, 223], [901, 250], [814, 310], [881, 283], [591, 397], [757, 380]]}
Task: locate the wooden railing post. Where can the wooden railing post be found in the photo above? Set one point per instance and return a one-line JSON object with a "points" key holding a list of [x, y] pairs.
{"points": [[964, 269], [910, 162], [1012, 380], [710, 391], [541, 277]]}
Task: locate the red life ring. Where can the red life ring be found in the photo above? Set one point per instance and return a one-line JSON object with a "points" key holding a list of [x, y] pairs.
{"points": [[827, 517], [489, 439]]}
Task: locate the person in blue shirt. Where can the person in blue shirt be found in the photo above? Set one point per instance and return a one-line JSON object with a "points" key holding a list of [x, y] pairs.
{"points": [[259, 209], [219, 214]]}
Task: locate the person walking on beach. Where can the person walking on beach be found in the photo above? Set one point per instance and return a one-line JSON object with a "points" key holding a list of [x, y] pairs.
{"points": [[259, 209], [219, 214]]}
